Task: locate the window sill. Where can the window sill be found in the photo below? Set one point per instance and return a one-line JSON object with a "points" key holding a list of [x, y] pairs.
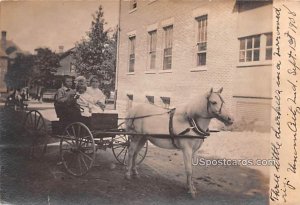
{"points": [[130, 73], [252, 64], [132, 10], [165, 71], [151, 1], [150, 72], [199, 68]]}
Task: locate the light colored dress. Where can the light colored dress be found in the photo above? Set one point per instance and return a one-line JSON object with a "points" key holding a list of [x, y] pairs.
{"points": [[87, 106], [96, 95]]}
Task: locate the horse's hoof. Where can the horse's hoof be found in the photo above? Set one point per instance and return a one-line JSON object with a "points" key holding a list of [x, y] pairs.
{"points": [[137, 176], [193, 194], [128, 176]]}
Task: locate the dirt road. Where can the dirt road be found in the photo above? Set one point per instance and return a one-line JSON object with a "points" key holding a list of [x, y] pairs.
{"points": [[26, 181]]}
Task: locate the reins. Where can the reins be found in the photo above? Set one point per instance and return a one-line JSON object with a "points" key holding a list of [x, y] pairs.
{"points": [[146, 116]]}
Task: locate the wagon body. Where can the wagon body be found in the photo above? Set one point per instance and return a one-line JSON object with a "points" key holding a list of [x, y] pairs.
{"points": [[79, 139]]}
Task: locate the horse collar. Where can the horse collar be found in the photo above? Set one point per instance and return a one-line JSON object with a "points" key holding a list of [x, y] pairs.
{"points": [[197, 129]]}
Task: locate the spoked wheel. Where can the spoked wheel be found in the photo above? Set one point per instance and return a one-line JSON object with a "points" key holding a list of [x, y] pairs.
{"points": [[77, 149], [120, 149], [35, 128]]}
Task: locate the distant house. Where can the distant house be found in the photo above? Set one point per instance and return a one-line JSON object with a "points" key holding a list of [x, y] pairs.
{"points": [[67, 66], [8, 52]]}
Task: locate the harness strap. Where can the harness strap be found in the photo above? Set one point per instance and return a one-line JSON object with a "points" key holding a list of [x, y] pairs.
{"points": [[171, 129], [198, 130]]}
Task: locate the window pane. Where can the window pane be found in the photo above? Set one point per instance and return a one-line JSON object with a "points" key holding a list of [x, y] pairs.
{"points": [[257, 42], [269, 54], [202, 46], [269, 39], [242, 56], [201, 59], [249, 56], [152, 60], [256, 55], [249, 43], [242, 44]]}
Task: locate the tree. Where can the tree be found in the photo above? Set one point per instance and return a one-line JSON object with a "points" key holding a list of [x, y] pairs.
{"points": [[38, 68], [19, 71], [96, 55], [45, 66]]}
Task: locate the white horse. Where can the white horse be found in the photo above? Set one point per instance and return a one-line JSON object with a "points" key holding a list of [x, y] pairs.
{"points": [[191, 119]]}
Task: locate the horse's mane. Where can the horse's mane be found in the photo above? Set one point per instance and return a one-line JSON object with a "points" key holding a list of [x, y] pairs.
{"points": [[197, 105]]}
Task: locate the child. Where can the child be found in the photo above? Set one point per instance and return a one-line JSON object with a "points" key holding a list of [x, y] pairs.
{"points": [[97, 96], [65, 103], [85, 102]]}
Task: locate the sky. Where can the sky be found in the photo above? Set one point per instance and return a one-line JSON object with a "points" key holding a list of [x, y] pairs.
{"points": [[51, 23]]}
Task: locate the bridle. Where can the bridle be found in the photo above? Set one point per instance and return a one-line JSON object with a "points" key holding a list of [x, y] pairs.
{"points": [[210, 114], [209, 103]]}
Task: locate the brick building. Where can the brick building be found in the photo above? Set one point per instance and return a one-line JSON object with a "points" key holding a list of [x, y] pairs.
{"points": [[171, 50]]}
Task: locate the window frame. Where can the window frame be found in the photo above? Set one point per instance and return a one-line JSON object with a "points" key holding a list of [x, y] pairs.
{"points": [[131, 54], [201, 38], [132, 5], [152, 50], [262, 50], [167, 46]]}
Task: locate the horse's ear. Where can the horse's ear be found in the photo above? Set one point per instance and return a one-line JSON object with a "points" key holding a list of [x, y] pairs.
{"points": [[221, 89], [211, 91]]}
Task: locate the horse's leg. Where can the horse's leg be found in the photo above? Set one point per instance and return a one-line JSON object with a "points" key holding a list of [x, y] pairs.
{"points": [[140, 145], [187, 157], [132, 148]]}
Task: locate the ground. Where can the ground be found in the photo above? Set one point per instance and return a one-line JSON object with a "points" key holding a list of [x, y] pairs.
{"points": [[162, 181]]}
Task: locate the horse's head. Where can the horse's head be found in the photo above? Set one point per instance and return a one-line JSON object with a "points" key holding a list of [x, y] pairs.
{"points": [[216, 107]]}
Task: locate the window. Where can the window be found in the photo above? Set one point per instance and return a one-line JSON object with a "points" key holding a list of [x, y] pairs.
{"points": [[131, 54], [167, 64], [249, 49], [201, 40], [166, 101], [269, 43], [152, 48], [256, 48], [150, 99], [133, 4], [72, 68], [129, 101]]}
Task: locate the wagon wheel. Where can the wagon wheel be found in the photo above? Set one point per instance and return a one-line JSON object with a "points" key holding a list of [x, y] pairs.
{"points": [[77, 149], [35, 129], [120, 149]]}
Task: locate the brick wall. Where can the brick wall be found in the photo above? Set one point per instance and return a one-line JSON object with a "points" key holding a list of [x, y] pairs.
{"points": [[181, 83]]}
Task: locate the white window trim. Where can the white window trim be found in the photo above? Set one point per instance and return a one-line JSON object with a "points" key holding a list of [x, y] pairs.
{"points": [[152, 27], [196, 14], [130, 35], [151, 1], [130, 73], [162, 70], [165, 71], [262, 53], [199, 68], [131, 10], [167, 22], [199, 12], [153, 71]]}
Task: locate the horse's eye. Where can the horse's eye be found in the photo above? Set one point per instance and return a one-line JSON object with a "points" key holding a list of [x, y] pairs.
{"points": [[213, 102]]}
